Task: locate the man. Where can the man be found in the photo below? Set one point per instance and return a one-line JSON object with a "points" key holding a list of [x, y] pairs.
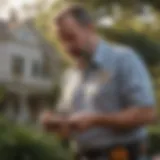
{"points": [[108, 94]]}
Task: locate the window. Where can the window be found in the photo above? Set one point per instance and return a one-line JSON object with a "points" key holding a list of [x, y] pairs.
{"points": [[36, 68], [40, 69], [18, 65], [46, 70]]}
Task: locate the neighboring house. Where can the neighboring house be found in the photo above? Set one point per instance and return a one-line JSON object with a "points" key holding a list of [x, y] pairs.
{"points": [[28, 68]]}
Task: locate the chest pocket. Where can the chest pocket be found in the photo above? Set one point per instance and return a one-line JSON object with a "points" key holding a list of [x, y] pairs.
{"points": [[69, 91], [100, 90], [98, 82], [91, 88]]}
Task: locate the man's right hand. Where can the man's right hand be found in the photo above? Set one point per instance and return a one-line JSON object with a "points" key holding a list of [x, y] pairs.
{"points": [[50, 121], [55, 123]]}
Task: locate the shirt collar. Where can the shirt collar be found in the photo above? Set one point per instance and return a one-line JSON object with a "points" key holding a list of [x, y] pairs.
{"points": [[98, 54]]}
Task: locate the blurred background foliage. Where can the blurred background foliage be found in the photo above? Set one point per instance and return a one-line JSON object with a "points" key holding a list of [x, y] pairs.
{"points": [[120, 21], [19, 143]]}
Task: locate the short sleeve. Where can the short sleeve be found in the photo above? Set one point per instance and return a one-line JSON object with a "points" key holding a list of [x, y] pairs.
{"points": [[136, 87]]}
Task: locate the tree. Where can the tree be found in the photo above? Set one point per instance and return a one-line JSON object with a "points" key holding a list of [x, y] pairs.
{"points": [[131, 4]]}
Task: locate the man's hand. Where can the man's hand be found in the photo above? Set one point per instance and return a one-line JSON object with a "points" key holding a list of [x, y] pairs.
{"points": [[50, 121], [55, 123], [81, 121]]}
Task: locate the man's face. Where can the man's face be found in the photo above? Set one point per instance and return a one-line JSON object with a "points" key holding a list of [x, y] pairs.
{"points": [[73, 36]]}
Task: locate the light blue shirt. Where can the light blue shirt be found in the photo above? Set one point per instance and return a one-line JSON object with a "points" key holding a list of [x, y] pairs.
{"points": [[121, 81]]}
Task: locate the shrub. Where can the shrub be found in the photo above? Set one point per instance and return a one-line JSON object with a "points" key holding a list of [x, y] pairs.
{"points": [[154, 133], [18, 143], [148, 48]]}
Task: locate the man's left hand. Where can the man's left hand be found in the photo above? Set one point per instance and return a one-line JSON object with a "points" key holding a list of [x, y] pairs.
{"points": [[82, 121]]}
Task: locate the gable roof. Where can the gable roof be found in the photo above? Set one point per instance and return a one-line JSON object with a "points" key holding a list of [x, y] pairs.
{"points": [[9, 31], [5, 33]]}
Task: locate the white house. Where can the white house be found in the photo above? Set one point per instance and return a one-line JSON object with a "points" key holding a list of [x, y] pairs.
{"points": [[28, 67]]}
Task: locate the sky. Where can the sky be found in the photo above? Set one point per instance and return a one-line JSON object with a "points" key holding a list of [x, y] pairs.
{"points": [[13, 4], [17, 4]]}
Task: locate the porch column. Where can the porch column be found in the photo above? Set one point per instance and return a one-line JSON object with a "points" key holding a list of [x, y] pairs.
{"points": [[23, 116]]}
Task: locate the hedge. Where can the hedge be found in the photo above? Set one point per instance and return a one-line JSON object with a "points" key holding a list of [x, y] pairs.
{"points": [[19, 143], [147, 47], [154, 135]]}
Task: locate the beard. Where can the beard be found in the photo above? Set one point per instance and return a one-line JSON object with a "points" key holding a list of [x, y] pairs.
{"points": [[77, 53]]}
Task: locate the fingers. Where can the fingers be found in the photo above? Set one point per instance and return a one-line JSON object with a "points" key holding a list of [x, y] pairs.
{"points": [[74, 125], [63, 124], [45, 116], [51, 122]]}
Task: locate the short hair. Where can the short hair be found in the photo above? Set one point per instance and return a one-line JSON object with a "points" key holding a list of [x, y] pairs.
{"points": [[79, 13]]}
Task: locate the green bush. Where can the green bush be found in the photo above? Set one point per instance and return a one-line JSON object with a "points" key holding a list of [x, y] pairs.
{"points": [[17, 143], [148, 48], [154, 134]]}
